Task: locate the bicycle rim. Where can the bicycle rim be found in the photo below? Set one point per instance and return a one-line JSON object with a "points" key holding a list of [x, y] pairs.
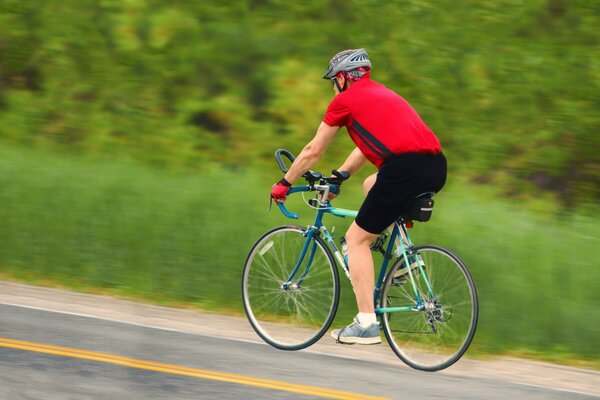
{"points": [[440, 329], [295, 317]]}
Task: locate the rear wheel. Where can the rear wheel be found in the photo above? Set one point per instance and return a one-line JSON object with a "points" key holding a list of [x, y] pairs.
{"points": [[290, 312], [440, 327]]}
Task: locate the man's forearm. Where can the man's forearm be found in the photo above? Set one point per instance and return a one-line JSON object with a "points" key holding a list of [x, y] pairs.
{"points": [[305, 161], [355, 161], [312, 152]]}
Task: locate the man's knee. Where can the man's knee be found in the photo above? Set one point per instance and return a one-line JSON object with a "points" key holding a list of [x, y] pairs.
{"points": [[358, 236]]}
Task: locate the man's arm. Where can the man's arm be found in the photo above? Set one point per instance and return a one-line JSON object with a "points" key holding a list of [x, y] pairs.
{"points": [[312, 152], [355, 161]]}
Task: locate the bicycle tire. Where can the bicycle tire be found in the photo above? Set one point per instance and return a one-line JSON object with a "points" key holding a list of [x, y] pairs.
{"points": [[292, 318], [438, 335]]}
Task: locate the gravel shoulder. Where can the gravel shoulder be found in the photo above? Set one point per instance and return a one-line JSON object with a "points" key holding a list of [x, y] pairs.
{"points": [[507, 369]]}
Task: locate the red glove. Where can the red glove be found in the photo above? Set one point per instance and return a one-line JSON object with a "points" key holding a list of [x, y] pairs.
{"points": [[280, 189]]}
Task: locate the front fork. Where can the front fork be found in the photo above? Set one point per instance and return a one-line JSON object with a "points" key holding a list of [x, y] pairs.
{"points": [[311, 244], [308, 243]]}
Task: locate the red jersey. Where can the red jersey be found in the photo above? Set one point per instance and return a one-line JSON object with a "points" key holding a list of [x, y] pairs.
{"points": [[380, 122]]}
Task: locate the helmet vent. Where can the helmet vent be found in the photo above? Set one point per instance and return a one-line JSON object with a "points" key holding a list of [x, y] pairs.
{"points": [[360, 57]]}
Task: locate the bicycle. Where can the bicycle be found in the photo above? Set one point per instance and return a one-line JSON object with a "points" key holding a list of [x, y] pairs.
{"points": [[427, 302]]}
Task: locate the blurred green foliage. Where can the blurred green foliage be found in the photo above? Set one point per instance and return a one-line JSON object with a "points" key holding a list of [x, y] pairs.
{"points": [[511, 87], [180, 238]]}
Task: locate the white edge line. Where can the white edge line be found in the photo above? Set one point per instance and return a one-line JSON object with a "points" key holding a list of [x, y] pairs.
{"points": [[125, 322], [266, 344], [259, 342]]}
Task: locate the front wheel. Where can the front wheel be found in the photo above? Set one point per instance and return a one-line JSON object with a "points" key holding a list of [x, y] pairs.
{"points": [[290, 310], [441, 319]]}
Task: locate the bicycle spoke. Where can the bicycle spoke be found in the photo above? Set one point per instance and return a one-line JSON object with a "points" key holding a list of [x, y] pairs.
{"points": [[267, 275], [307, 306], [437, 335]]}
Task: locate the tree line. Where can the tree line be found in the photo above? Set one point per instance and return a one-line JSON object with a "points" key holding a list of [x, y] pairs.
{"points": [[510, 87]]}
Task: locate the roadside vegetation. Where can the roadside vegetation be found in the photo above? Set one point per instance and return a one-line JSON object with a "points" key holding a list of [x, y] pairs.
{"points": [[137, 141], [181, 239], [511, 87]]}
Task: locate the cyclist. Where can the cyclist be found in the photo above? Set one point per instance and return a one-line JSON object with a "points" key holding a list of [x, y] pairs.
{"points": [[389, 133]]}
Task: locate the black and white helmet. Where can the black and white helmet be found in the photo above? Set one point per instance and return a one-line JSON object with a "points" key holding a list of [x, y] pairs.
{"points": [[348, 61]]}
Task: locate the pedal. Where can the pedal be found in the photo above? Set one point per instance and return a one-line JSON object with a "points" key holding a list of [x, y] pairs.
{"points": [[404, 271], [399, 281]]}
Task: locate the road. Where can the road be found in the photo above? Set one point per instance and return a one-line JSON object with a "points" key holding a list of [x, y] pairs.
{"points": [[61, 345]]}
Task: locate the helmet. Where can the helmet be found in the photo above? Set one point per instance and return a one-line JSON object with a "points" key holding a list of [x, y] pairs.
{"points": [[348, 60]]}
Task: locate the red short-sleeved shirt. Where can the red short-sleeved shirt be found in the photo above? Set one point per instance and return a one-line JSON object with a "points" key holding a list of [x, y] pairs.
{"points": [[380, 122]]}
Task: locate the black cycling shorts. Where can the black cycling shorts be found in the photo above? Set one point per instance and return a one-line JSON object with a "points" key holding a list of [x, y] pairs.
{"points": [[399, 180]]}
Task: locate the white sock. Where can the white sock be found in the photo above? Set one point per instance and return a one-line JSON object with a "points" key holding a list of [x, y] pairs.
{"points": [[366, 319]]}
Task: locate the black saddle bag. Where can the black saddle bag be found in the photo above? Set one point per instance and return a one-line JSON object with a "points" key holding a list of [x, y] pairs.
{"points": [[419, 210]]}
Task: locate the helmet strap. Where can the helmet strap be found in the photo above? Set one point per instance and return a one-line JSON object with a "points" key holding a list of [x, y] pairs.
{"points": [[337, 84], [339, 88]]}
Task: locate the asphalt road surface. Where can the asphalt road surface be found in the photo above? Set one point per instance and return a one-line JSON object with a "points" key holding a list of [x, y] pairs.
{"points": [[58, 345]]}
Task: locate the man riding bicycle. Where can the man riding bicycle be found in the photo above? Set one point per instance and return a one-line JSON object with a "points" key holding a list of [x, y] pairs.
{"points": [[389, 133]]}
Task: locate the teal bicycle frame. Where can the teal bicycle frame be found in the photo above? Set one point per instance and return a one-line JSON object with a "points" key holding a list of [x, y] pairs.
{"points": [[404, 249]]}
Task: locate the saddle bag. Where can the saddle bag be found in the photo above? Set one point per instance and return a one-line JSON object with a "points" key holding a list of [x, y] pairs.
{"points": [[419, 210]]}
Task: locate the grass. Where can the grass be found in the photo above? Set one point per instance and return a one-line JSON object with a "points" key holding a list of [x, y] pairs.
{"points": [[121, 227], [174, 238]]}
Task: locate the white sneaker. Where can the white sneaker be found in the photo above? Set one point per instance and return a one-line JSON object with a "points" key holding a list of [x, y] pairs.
{"points": [[355, 333]]}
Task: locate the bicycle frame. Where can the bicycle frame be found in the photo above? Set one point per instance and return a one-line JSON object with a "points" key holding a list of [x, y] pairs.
{"points": [[404, 249]]}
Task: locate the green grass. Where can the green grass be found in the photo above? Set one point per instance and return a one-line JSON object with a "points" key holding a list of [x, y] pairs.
{"points": [[173, 238], [125, 228]]}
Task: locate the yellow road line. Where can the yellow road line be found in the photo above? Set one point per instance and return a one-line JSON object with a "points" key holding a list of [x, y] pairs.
{"points": [[180, 370]]}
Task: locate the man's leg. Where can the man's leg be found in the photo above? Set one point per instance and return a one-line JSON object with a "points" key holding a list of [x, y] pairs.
{"points": [[367, 185], [364, 329], [361, 266], [362, 269]]}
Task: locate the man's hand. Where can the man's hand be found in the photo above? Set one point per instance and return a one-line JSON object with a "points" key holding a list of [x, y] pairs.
{"points": [[336, 179], [334, 190], [280, 190]]}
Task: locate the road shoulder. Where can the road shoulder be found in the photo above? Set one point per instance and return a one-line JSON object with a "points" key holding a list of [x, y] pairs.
{"points": [[508, 369]]}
